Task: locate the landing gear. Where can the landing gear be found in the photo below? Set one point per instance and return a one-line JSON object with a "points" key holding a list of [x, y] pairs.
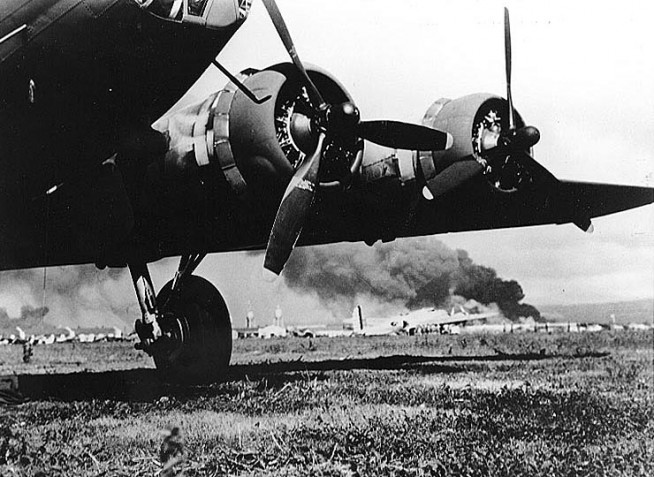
{"points": [[186, 328], [196, 321]]}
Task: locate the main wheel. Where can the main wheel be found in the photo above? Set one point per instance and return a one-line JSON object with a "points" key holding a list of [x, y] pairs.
{"points": [[196, 326]]}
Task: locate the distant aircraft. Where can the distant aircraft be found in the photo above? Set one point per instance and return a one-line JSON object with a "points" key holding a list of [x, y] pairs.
{"points": [[21, 334], [433, 317], [45, 339], [116, 335], [69, 336], [373, 326], [86, 337], [412, 322], [272, 330], [315, 331], [91, 171]]}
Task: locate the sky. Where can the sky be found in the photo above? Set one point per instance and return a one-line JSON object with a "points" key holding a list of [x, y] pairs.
{"points": [[583, 73]]}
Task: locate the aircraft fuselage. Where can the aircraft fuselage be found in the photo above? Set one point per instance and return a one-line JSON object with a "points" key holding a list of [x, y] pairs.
{"points": [[74, 82]]}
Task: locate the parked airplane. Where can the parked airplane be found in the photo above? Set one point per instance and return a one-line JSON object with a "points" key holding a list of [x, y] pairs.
{"points": [[426, 318], [272, 159], [319, 331], [411, 322], [69, 336], [45, 339], [372, 326], [22, 336]]}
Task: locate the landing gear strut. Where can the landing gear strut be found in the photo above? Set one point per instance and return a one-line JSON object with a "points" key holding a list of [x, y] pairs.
{"points": [[147, 327], [186, 328]]}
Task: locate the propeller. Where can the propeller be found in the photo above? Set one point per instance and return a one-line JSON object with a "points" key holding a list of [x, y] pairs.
{"points": [[514, 139], [292, 211], [515, 142], [507, 65], [337, 123], [504, 148]]}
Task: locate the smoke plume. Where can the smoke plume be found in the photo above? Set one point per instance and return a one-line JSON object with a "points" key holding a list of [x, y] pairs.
{"points": [[344, 274], [410, 273], [386, 278], [76, 296]]}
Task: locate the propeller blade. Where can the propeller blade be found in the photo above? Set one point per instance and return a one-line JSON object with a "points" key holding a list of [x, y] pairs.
{"points": [[293, 211], [285, 36], [399, 135], [507, 64]]}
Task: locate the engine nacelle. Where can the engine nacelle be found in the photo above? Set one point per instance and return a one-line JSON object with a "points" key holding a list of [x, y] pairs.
{"points": [[475, 122], [258, 146]]}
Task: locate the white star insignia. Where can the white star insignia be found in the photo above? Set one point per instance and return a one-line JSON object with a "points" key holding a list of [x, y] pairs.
{"points": [[492, 117]]}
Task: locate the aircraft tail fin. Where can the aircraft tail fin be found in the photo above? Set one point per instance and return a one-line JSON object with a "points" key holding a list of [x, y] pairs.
{"points": [[357, 319], [458, 309], [118, 333]]}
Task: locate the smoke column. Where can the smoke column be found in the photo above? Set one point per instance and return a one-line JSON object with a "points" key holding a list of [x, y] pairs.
{"points": [[76, 296], [391, 273], [408, 273], [386, 278]]}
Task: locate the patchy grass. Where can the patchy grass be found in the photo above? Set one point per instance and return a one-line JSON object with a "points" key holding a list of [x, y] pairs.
{"points": [[522, 404]]}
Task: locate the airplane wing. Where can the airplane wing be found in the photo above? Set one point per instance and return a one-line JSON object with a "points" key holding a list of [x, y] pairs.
{"points": [[476, 206], [598, 200], [372, 213], [363, 214], [446, 319]]}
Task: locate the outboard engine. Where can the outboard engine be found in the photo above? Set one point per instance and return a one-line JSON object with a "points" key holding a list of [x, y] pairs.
{"points": [[479, 124]]}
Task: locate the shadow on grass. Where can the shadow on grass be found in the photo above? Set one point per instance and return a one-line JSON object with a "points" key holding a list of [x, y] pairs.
{"points": [[145, 384]]}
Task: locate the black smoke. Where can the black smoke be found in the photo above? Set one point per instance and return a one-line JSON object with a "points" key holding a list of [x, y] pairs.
{"points": [[30, 319], [75, 296], [413, 273], [482, 284], [342, 274]]}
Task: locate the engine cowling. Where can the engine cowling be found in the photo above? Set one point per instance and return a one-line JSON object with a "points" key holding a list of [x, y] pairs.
{"points": [[271, 140], [476, 123], [258, 146]]}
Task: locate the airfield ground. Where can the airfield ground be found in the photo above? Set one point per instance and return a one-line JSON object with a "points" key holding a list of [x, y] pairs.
{"points": [[513, 404]]}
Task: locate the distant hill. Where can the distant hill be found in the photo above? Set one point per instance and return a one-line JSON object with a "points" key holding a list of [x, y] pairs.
{"points": [[639, 311]]}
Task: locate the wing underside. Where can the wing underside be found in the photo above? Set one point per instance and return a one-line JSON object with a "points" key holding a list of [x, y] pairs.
{"points": [[473, 206], [476, 206], [603, 199]]}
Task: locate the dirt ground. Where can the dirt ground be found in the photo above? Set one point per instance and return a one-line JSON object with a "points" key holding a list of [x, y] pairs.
{"points": [[513, 404]]}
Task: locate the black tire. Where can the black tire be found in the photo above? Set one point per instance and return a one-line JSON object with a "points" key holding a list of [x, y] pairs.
{"points": [[198, 317]]}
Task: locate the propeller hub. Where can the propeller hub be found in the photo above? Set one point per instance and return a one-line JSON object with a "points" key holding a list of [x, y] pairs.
{"points": [[529, 136], [342, 119], [526, 137]]}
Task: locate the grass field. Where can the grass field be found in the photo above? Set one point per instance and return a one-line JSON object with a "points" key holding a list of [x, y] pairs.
{"points": [[513, 404]]}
